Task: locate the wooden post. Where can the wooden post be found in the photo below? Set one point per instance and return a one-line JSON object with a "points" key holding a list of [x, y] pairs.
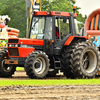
{"points": [[27, 27]]}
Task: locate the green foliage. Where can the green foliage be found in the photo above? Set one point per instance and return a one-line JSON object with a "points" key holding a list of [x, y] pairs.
{"points": [[16, 10], [72, 1], [57, 5]]}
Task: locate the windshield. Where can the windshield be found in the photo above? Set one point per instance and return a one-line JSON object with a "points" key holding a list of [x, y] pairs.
{"points": [[41, 28], [78, 26]]}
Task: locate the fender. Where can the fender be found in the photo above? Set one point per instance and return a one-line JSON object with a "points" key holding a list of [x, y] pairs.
{"points": [[71, 38]]}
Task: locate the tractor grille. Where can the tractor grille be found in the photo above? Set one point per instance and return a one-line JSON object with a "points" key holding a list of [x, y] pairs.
{"points": [[13, 41], [13, 52]]}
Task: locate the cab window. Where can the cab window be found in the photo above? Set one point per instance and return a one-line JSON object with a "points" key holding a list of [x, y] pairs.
{"points": [[62, 28]]}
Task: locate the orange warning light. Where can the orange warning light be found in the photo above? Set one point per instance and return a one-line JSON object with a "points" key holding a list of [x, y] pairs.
{"points": [[74, 7]]}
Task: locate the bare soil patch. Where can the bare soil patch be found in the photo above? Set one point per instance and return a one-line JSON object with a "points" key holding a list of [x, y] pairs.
{"points": [[21, 75], [50, 93]]}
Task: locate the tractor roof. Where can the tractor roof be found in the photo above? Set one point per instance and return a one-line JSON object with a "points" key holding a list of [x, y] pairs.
{"points": [[53, 13]]}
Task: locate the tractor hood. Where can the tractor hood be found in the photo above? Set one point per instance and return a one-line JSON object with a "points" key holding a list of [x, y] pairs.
{"points": [[19, 47], [24, 41]]}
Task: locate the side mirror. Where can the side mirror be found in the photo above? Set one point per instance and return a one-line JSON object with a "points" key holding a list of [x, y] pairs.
{"points": [[64, 19], [83, 32]]}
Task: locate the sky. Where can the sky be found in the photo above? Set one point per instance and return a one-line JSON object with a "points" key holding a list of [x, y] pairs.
{"points": [[87, 6]]}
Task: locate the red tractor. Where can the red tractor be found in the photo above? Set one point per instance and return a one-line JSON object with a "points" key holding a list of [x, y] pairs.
{"points": [[54, 44]]}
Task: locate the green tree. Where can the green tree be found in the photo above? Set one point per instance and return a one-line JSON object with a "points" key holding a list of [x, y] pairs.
{"points": [[72, 1], [15, 9], [56, 5]]}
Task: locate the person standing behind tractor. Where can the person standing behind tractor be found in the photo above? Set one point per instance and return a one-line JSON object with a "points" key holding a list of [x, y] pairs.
{"points": [[97, 41]]}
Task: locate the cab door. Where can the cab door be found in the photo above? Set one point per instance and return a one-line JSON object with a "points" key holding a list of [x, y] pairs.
{"points": [[62, 31], [48, 35]]}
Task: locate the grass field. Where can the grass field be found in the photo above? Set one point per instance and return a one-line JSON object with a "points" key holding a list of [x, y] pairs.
{"points": [[20, 68], [49, 82]]}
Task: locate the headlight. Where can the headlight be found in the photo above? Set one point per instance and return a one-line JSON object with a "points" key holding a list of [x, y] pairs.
{"points": [[23, 46], [11, 45], [16, 45]]}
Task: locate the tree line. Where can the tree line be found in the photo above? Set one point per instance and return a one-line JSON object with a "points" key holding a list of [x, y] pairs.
{"points": [[16, 10]]}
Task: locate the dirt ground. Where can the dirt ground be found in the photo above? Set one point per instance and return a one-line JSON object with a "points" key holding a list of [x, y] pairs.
{"points": [[50, 93], [47, 93], [21, 75]]}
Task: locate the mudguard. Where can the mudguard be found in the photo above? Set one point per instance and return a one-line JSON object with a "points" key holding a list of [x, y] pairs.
{"points": [[71, 38]]}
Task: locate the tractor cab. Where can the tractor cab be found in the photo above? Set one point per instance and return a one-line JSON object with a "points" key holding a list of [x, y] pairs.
{"points": [[54, 28]]}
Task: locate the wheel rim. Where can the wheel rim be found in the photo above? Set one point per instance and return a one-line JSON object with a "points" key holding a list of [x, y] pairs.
{"points": [[5, 67], [39, 65], [89, 62]]}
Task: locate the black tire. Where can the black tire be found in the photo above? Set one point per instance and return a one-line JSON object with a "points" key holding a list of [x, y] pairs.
{"points": [[84, 61], [66, 61], [37, 65], [52, 73], [5, 69]]}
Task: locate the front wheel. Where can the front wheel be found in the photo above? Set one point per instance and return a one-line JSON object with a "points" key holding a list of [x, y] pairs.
{"points": [[37, 65], [5, 69]]}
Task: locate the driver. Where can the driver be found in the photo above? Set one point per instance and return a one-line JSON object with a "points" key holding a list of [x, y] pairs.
{"points": [[57, 33]]}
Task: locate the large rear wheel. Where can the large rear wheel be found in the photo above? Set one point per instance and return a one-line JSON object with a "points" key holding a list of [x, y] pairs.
{"points": [[83, 61], [66, 61]]}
